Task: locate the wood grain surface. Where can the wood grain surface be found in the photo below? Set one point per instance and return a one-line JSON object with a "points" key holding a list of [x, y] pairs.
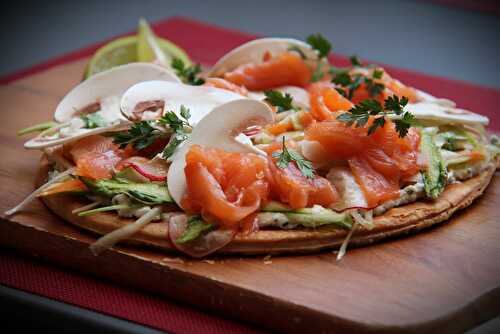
{"points": [[444, 279]]}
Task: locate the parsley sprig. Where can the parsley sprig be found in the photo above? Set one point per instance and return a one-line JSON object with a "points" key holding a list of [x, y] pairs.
{"points": [[350, 82], [360, 113], [323, 47], [145, 133], [320, 44], [282, 102], [286, 156], [140, 135], [178, 126], [188, 74]]}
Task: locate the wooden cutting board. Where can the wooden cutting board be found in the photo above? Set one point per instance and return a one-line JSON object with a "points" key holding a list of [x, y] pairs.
{"points": [[444, 279]]}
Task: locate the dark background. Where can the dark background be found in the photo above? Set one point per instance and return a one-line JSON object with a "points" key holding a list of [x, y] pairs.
{"points": [[453, 41], [425, 36]]}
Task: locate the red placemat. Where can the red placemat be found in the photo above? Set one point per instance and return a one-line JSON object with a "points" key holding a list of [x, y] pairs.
{"points": [[205, 44]]}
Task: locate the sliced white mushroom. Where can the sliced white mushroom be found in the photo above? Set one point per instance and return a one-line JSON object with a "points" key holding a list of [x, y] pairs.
{"points": [[426, 97], [253, 52], [113, 82], [445, 114], [41, 142], [101, 92], [199, 99], [218, 129]]}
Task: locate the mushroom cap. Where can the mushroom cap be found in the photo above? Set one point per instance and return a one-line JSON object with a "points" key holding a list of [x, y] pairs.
{"points": [[253, 51], [200, 100], [113, 82], [218, 129]]}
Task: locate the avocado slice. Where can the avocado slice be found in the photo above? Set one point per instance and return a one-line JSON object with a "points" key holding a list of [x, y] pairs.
{"points": [[435, 176], [196, 227], [147, 193], [310, 217]]}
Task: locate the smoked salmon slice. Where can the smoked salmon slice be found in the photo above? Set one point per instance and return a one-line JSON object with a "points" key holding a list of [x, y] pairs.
{"points": [[374, 185], [290, 186], [325, 99], [227, 85], [95, 156], [286, 69], [378, 161], [223, 185]]}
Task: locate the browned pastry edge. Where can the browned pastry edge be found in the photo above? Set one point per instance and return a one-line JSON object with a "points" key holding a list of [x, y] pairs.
{"points": [[397, 221]]}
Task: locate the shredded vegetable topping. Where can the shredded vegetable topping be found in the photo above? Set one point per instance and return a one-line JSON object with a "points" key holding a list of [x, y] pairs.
{"points": [[34, 194], [110, 239]]}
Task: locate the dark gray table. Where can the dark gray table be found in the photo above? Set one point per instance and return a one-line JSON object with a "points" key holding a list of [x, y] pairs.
{"points": [[418, 35]]}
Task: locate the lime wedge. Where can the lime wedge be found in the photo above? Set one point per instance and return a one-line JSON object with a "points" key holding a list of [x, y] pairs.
{"points": [[148, 49], [124, 50]]}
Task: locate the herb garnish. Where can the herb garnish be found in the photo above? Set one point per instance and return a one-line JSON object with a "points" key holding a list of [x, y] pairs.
{"points": [[351, 83], [145, 133], [188, 74], [323, 47], [93, 120], [360, 113], [173, 121], [378, 73], [320, 44], [344, 79], [140, 135], [287, 156], [178, 126], [355, 61], [277, 99]]}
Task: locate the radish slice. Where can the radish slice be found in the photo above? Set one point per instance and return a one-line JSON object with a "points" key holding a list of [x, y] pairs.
{"points": [[201, 246], [154, 170]]}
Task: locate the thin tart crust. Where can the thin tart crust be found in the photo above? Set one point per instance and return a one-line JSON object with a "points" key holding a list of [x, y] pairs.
{"points": [[397, 221]]}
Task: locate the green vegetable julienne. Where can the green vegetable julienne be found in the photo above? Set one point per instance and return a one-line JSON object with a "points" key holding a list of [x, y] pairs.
{"points": [[196, 227], [435, 176], [37, 128], [93, 120], [147, 193], [103, 209]]}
